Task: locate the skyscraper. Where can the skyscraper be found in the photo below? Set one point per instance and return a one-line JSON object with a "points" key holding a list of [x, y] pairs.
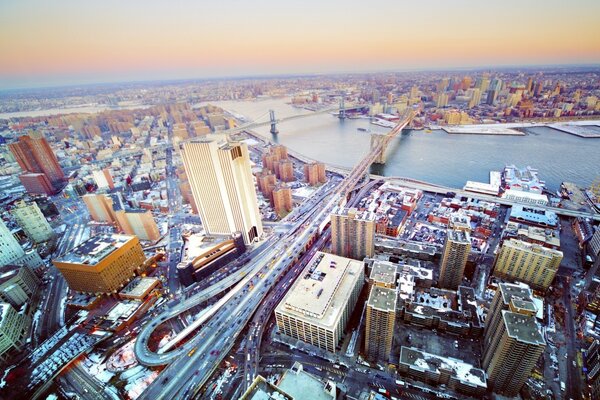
{"points": [[527, 262], [454, 259], [352, 233], [515, 349], [35, 156], [33, 222], [475, 98], [380, 323], [222, 186], [10, 250]]}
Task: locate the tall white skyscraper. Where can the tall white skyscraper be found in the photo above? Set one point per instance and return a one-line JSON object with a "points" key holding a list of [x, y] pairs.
{"points": [[10, 250], [34, 224], [222, 186]]}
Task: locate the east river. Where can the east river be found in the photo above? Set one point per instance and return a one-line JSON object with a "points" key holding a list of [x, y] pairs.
{"points": [[436, 156]]}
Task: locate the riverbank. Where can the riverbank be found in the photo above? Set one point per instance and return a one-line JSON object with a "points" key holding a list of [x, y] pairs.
{"points": [[587, 129], [482, 130]]}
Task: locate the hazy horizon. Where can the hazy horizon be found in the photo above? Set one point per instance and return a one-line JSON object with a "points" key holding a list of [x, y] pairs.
{"points": [[71, 43]]}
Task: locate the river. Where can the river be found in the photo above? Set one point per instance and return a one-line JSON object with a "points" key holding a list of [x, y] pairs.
{"points": [[435, 157]]}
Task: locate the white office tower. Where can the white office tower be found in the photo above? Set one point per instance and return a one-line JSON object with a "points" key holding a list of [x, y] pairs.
{"points": [[223, 186]]}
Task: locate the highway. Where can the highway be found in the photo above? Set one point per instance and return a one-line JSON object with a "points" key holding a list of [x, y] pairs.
{"points": [[203, 352]]}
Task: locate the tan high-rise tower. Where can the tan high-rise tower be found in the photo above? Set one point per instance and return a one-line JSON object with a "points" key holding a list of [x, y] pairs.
{"points": [[454, 259], [352, 233], [222, 186], [380, 323]]}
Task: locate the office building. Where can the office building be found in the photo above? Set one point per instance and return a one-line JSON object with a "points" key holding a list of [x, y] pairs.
{"points": [[100, 207], [512, 352], [531, 263], [13, 329], [319, 304], [454, 259], [10, 249], [380, 323], [314, 173], [282, 200], [102, 264], [442, 100], [352, 233], [35, 156], [103, 179], [222, 186], [140, 223], [475, 98], [111, 209], [17, 284], [33, 222]]}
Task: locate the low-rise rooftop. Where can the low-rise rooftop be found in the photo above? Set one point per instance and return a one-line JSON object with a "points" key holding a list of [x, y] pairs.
{"points": [[434, 364]]}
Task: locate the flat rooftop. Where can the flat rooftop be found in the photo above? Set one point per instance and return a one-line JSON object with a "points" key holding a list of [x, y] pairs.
{"points": [[95, 249], [532, 247], [139, 286], [459, 236], [263, 390], [383, 271], [302, 385], [524, 328], [514, 290], [323, 290], [462, 371], [354, 213], [383, 299]]}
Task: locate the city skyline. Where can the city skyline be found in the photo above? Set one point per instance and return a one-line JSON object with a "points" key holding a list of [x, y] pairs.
{"points": [[73, 43]]}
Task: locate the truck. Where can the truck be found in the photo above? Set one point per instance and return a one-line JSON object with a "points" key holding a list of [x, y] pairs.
{"points": [[562, 386], [384, 392]]}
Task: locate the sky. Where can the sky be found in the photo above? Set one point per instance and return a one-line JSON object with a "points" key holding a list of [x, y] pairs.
{"points": [[46, 43]]}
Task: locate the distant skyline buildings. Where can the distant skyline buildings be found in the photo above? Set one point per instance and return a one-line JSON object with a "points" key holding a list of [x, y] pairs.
{"points": [[274, 38]]}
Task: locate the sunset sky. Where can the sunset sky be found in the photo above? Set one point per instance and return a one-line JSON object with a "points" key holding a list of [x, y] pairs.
{"points": [[45, 43]]}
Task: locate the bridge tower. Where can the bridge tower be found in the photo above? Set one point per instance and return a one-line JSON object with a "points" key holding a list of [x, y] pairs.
{"points": [[376, 140], [274, 129], [342, 112]]}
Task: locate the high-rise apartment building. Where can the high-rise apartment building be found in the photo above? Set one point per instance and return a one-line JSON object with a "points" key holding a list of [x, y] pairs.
{"points": [[35, 156], [531, 263], [222, 185], [314, 173], [102, 264], [442, 100], [380, 323], [10, 250], [352, 233], [319, 304], [33, 222], [17, 285], [592, 362], [454, 259], [282, 200], [513, 339], [513, 350], [100, 207], [285, 169], [475, 98]]}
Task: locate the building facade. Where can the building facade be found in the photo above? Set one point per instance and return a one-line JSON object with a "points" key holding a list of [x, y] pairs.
{"points": [[13, 329], [222, 186], [454, 259], [318, 306], [35, 156], [33, 222], [314, 173], [102, 264], [352, 233], [380, 323], [282, 200], [527, 262], [10, 249]]}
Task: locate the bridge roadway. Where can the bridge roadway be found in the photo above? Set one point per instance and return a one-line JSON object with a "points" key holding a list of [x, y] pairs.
{"points": [[186, 374]]}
